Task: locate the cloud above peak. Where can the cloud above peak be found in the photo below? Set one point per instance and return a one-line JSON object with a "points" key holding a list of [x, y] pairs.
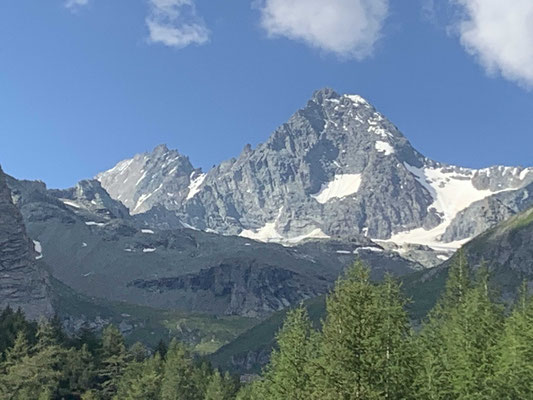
{"points": [[74, 4], [175, 23], [348, 28], [500, 35]]}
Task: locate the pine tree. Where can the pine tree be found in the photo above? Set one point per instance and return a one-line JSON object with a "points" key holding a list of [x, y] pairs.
{"points": [[178, 375], [288, 373], [394, 340], [114, 358], [458, 343], [471, 336], [20, 349], [161, 348], [431, 380], [138, 352], [141, 380], [221, 387], [79, 372], [362, 342], [37, 373], [514, 364]]}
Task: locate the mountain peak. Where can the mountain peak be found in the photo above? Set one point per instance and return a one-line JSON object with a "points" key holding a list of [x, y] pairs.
{"points": [[323, 94], [161, 149]]}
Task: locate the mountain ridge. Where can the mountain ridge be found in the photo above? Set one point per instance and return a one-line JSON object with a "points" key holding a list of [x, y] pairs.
{"points": [[336, 168]]}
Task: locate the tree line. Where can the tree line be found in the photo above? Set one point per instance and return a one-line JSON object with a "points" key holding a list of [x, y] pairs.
{"points": [[469, 347]]}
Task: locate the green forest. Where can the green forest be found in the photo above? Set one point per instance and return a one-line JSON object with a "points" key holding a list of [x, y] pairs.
{"points": [[470, 346]]}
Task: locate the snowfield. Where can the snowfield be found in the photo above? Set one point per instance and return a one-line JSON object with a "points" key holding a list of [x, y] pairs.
{"points": [[341, 186]]}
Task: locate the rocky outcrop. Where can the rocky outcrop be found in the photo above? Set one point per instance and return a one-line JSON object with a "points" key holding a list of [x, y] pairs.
{"points": [[23, 284], [244, 288], [89, 195]]}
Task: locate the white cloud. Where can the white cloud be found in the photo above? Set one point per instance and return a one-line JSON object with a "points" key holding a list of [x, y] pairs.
{"points": [[175, 23], [74, 4], [499, 33], [349, 28]]}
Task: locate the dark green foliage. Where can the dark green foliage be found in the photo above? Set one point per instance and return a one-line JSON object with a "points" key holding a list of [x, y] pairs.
{"points": [[288, 374], [221, 387], [457, 345], [141, 380], [162, 348], [363, 350], [514, 354], [179, 375], [114, 359], [11, 323], [466, 349]]}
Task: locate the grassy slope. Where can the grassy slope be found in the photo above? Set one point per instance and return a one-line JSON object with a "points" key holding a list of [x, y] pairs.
{"points": [[262, 335]]}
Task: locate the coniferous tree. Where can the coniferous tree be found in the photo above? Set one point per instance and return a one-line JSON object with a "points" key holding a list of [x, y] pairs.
{"points": [[362, 342], [458, 343], [514, 364], [288, 373], [141, 380], [178, 375], [37, 374], [79, 372], [114, 358], [471, 335], [11, 323], [138, 352], [161, 348], [221, 387], [18, 351], [431, 380], [394, 337]]}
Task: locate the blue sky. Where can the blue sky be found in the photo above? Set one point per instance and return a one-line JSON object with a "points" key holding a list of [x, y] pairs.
{"points": [[87, 83]]}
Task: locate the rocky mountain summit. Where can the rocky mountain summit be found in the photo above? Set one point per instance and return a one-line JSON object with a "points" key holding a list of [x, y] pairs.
{"points": [[337, 168], [23, 283]]}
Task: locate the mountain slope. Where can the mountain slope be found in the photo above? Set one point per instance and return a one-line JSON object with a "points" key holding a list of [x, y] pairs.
{"points": [[337, 169], [93, 248], [22, 283], [507, 250]]}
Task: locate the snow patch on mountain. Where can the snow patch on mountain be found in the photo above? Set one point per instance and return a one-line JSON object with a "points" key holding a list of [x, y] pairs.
{"points": [[384, 147], [38, 249], [70, 203], [341, 186], [194, 186], [453, 191]]}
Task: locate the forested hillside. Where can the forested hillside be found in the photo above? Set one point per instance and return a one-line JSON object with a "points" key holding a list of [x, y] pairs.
{"points": [[469, 347]]}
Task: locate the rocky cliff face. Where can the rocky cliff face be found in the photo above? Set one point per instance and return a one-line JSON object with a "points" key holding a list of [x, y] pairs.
{"points": [[93, 248], [336, 169], [240, 287], [22, 283]]}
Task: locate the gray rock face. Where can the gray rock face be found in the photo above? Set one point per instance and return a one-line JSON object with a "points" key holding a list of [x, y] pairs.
{"points": [[248, 288], [162, 177], [22, 283], [336, 169], [89, 195], [101, 255], [486, 213]]}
